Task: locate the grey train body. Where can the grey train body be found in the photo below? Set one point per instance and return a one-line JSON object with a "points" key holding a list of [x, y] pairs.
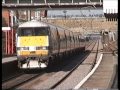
{"points": [[62, 42]]}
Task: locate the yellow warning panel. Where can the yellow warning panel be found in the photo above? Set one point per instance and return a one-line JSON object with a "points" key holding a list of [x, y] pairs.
{"points": [[34, 41]]}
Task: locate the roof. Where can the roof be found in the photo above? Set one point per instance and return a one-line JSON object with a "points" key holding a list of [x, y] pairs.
{"points": [[33, 23]]}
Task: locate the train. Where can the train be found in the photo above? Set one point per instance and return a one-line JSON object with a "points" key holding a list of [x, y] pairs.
{"points": [[38, 43]]}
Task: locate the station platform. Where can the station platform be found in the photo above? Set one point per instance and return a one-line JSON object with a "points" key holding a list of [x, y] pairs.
{"points": [[104, 75], [9, 59]]}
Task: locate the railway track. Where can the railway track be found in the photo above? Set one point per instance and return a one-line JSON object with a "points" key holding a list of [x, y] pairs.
{"points": [[110, 48], [65, 77], [103, 77], [68, 79], [24, 78], [62, 76], [88, 44], [113, 47], [17, 74], [11, 84]]}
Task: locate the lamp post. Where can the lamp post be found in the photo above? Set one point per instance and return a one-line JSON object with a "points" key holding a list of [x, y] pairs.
{"points": [[65, 13]]}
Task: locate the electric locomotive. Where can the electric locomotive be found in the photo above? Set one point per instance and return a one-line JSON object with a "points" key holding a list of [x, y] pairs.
{"points": [[38, 43]]}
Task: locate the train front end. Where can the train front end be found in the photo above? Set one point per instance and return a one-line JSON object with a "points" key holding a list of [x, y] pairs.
{"points": [[32, 46]]}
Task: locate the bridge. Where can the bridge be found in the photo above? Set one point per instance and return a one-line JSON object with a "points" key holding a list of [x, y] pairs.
{"points": [[50, 3], [110, 7]]}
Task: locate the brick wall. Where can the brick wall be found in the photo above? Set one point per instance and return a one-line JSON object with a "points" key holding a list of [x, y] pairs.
{"points": [[89, 24], [5, 17]]}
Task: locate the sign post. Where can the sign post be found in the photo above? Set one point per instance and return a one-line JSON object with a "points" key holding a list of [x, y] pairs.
{"points": [[11, 23]]}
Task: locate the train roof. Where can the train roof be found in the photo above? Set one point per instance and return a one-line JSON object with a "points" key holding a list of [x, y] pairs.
{"points": [[33, 23]]}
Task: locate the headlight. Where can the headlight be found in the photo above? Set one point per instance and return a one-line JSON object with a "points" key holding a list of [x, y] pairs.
{"points": [[44, 48], [22, 48]]}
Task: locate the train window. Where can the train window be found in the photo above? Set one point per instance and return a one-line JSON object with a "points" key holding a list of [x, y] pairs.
{"points": [[41, 31], [25, 32], [33, 31]]}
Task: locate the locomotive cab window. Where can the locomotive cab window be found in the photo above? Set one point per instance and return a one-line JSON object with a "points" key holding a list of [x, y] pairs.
{"points": [[37, 31], [41, 31], [25, 31]]}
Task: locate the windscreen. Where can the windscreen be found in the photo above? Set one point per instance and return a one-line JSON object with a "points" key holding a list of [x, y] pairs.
{"points": [[36, 31]]}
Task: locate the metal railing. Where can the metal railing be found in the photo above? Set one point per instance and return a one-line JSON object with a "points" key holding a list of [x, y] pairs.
{"points": [[48, 1]]}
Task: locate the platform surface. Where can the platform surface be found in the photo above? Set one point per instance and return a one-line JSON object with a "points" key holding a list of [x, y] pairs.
{"points": [[9, 59]]}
